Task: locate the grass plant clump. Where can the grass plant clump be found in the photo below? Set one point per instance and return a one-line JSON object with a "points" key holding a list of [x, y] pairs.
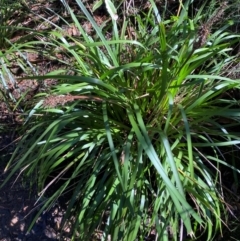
{"points": [[136, 135]]}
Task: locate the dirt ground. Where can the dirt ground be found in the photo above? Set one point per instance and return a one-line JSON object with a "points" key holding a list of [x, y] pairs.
{"points": [[18, 208], [17, 211]]}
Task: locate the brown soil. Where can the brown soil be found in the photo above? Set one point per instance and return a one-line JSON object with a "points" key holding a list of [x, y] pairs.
{"points": [[18, 208]]}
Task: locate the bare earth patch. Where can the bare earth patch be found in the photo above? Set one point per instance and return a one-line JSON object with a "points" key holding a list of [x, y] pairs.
{"points": [[17, 211]]}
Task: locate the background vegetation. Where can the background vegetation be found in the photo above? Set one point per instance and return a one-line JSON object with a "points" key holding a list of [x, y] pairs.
{"points": [[129, 111]]}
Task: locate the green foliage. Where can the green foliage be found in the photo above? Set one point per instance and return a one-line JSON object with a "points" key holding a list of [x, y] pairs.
{"points": [[7, 28], [16, 44], [136, 134]]}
